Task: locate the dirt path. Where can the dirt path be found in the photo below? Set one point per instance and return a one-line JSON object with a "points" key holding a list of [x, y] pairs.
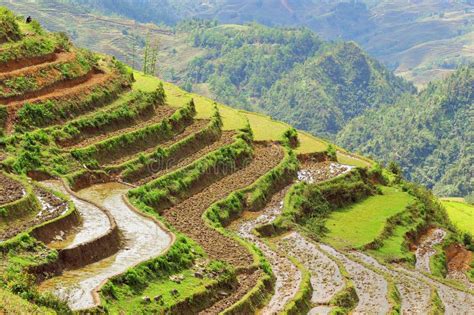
{"points": [[415, 294], [371, 287], [159, 114], [59, 59], [186, 217], [288, 276], [426, 249], [95, 222], [226, 138], [326, 278], [151, 146], [144, 239]]}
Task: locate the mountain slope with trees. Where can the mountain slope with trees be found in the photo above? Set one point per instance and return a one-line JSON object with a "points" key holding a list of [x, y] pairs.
{"points": [[322, 94], [429, 135]]}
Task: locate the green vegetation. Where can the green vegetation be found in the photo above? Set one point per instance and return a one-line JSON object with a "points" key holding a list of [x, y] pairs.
{"points": [[360, 223], [9, 28], [175, 186], [36, 46], [129, 107], [461, 214], [19, 85], [430, 133], [106, 150]]}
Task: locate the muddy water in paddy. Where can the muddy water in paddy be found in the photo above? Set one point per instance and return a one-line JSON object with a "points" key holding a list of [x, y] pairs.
{"points": [[95, 222], [288, 276], [371, 287], [144, 239], [326, 278], [456, 302], [415, 294]]}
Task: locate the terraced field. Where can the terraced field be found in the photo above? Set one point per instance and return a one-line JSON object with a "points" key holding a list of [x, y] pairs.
{"points": [[123, 194]]}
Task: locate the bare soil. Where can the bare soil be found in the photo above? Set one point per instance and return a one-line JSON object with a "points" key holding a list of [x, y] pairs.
{"points": [[186, 216], [459, 262], [245, 283], [10, 190], [19, 64], [184, 159], [58, 59], [51, 208], [159, 114], [151, 146], [75, 92], [48, 91]]}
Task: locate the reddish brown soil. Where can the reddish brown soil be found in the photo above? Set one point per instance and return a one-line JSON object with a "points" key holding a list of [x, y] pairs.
{"points": [[23, 63], [52, 207], [73, 92], [149, 147], [245, 283], [96, 135], [186, 216], [184, 159], [459, 258], [48, 91], [24, 71], [10, 190]]}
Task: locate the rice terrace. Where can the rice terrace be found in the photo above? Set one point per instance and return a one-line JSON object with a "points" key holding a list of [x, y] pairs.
{"points": [[121, 193]]}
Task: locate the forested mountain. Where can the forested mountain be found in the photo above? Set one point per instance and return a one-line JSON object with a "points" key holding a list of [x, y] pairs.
{"points": [[292, 75], [402, 34], [322, 94], [430, 134]]}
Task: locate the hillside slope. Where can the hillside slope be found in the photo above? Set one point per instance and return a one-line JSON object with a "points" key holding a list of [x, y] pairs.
{"points": [[430, 135], [402, 34], [328, 90], [124, 194]]}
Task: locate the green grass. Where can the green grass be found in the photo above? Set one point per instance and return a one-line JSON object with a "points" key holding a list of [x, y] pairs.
{"points": [[188, 287], [360, 223], [461, 214], [393, 248], [263, 126], [13, 304]]}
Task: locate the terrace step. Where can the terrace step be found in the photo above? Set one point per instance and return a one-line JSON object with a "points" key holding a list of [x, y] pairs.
{"points": [[57, 58]]}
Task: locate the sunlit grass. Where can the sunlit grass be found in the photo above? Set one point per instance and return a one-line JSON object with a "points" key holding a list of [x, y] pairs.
{"points": [[461, 214], [359, 224], [264, 127]]}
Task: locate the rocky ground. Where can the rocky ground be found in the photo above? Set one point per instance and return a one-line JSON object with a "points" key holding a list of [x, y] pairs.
{"points": [[425, 248]]}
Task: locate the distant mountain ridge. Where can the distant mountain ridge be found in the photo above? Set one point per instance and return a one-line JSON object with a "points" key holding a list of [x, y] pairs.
{"points": [[429, 134]]}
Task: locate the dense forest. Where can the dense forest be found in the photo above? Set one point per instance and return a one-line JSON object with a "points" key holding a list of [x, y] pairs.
{"points": [[292, 75], [430, 134]]}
